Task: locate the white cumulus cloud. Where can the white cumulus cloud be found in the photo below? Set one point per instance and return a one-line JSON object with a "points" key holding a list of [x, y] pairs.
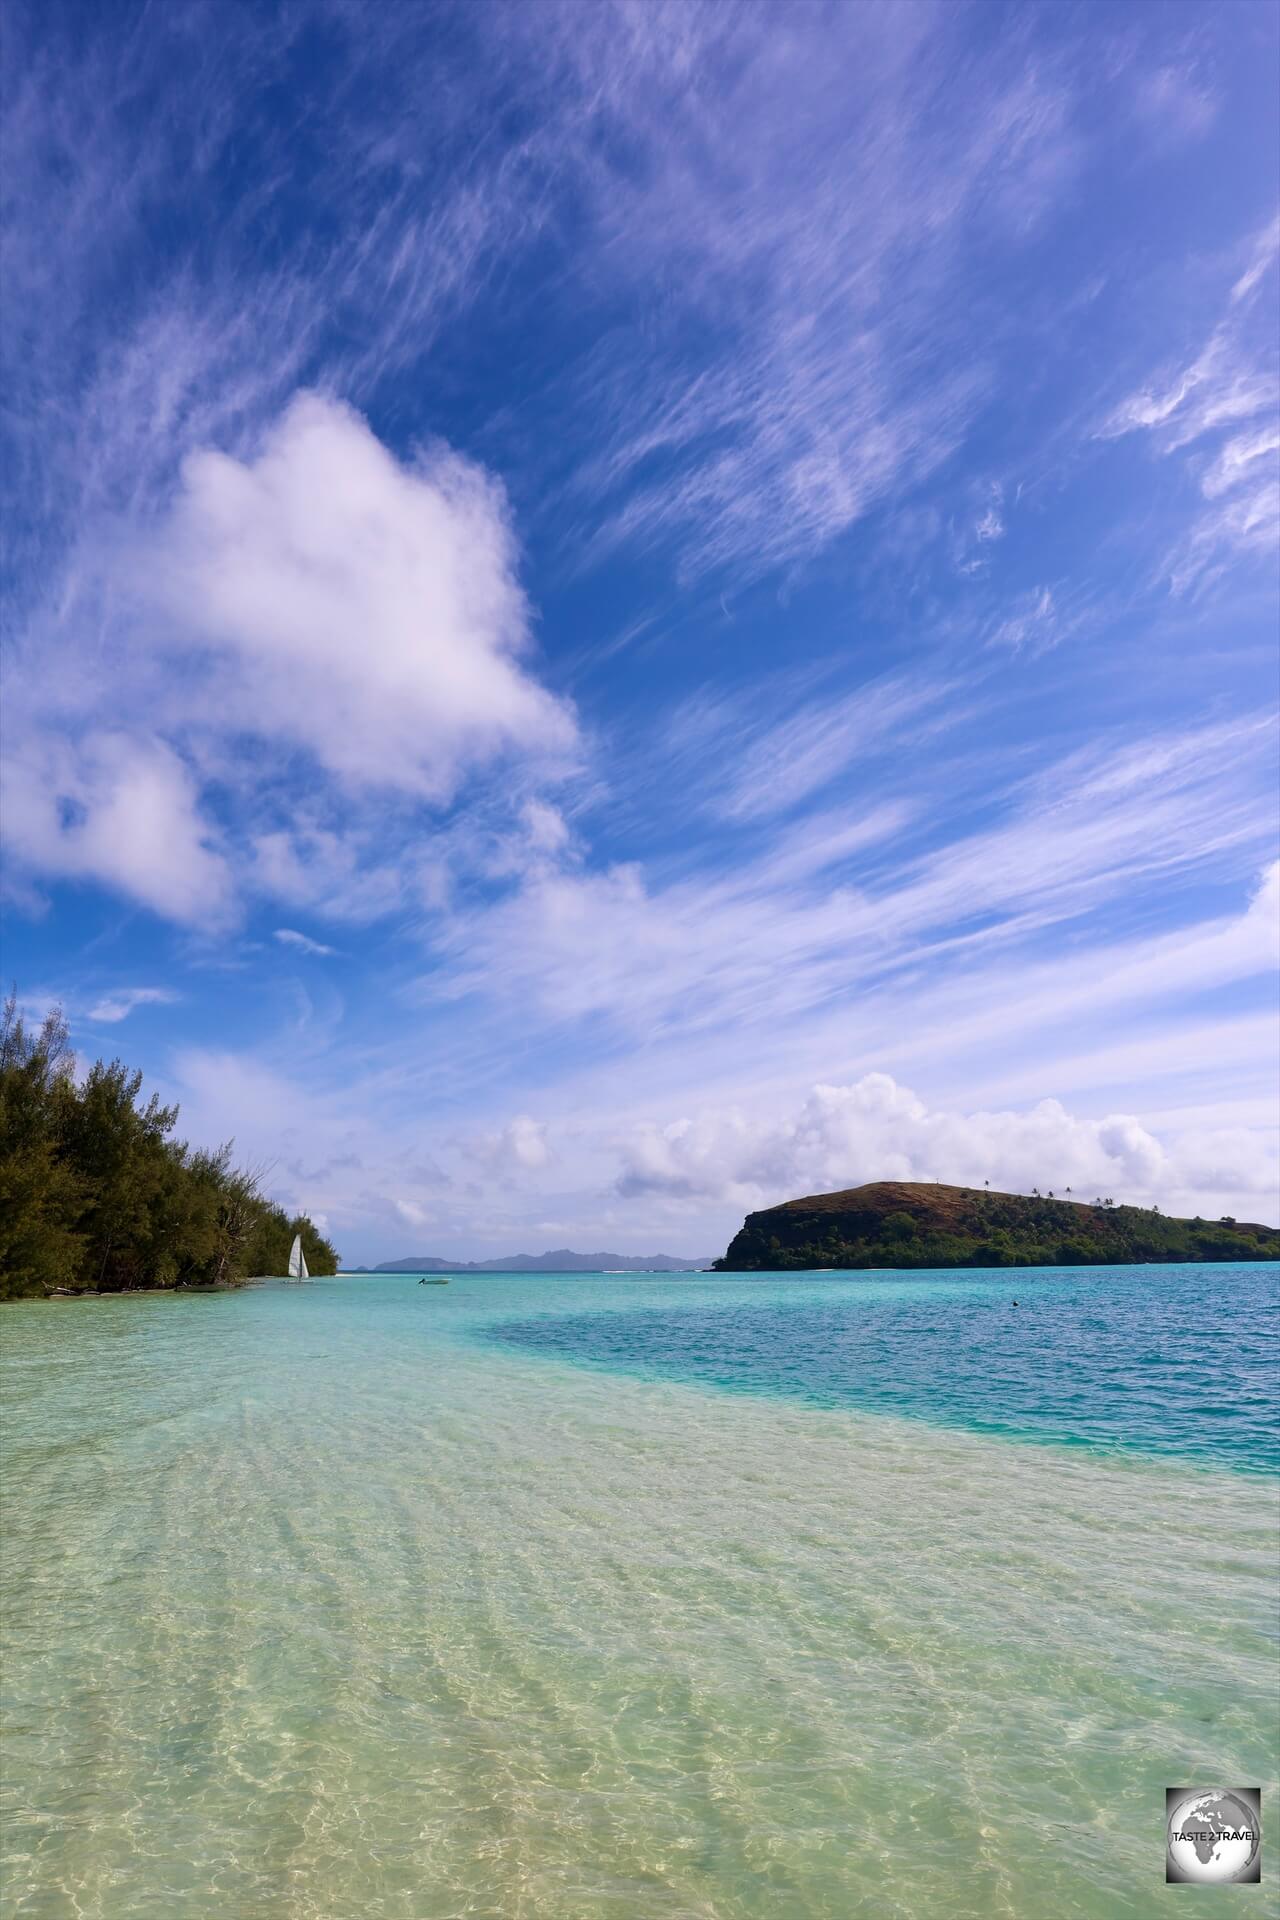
{"points": [[124, 811], [521, 1144], [317, 608], [875, 1129], [365, 610]]}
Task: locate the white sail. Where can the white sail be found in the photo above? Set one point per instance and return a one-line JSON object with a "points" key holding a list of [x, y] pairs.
{"points": [[302, 1265], [297, 1261]]}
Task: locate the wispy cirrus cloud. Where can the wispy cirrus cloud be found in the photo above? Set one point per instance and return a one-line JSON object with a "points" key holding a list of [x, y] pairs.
{"points": [[117, 1006], [708, 1119], [768, 750], [301, 942], [800, 371], [829, 903], [1034, 623], [1177, 101], [818, 417], [1263, 254], [1227, 397], [671, 355], [847, 382], [701, 1130]]}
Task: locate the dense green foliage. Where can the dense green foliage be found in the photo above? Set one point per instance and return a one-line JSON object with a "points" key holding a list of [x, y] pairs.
{"points": [[96, 1195], [900, 1224]]}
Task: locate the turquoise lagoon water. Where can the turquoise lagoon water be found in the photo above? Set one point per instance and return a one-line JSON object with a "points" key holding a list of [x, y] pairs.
{"points": [[1179, 1360], [541, 1598]]}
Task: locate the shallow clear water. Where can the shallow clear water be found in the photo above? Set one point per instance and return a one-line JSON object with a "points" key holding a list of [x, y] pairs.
{"points": [[361, 1599]]}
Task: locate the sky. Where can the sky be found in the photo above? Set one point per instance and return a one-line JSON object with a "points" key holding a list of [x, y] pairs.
{"points": [[618, 612]]}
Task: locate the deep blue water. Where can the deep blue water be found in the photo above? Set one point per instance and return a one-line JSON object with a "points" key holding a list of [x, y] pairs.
{"points": [[1165, 1359]]}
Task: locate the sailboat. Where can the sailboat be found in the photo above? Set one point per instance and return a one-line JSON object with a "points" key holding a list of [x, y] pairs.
{"points": [[297, 1260]]}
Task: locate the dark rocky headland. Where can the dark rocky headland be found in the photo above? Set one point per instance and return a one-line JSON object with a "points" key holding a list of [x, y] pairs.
{"points": [[899, 1223]]}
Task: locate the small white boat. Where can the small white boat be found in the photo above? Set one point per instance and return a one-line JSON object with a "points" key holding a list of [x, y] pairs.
{"points": [[298, 1260]]}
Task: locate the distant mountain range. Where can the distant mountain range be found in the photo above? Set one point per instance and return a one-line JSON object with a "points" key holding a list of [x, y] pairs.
{"points": [[558, 1260]]}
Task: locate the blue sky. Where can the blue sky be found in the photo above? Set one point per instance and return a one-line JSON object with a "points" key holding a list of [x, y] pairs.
{"points": [[615, 613]]}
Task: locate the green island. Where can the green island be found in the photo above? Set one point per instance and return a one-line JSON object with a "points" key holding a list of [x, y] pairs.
{"points": [[901, 1223], [97, 1196]]}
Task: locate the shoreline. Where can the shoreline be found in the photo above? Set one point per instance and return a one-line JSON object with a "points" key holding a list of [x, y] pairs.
{"points": [[121, 1293]]}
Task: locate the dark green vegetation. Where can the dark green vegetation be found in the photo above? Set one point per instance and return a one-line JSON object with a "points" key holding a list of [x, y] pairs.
{"points": [[97, 1196], [895, 1223]]}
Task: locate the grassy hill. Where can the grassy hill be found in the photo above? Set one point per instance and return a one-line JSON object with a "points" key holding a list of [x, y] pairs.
{"points": [[897, 1223]]}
